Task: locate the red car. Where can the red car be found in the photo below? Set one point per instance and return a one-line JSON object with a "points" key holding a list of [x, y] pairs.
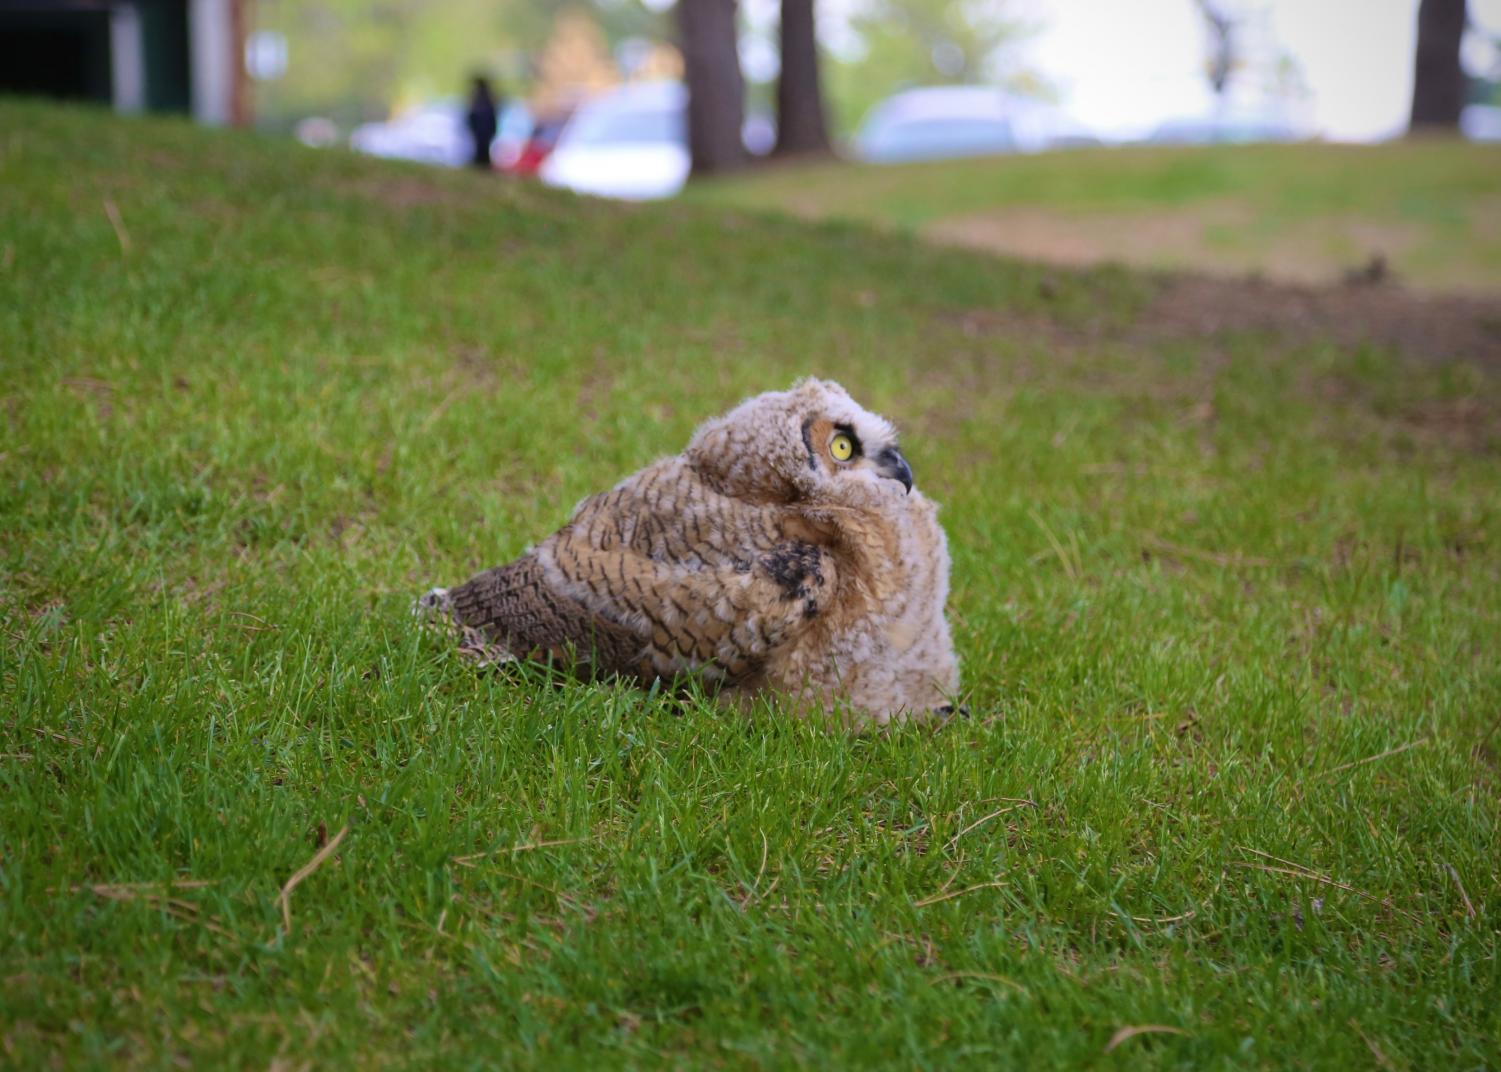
{"points": [[534, 150]]}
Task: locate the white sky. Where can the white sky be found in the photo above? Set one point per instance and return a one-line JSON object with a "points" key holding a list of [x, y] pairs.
{"points": [[1122, 66]]}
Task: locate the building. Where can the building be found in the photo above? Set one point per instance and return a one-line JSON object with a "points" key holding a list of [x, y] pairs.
{"points": [[181, 56]]}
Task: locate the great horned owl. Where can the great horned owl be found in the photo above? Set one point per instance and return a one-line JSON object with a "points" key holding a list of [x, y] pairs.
{"points": [[785, 550]]}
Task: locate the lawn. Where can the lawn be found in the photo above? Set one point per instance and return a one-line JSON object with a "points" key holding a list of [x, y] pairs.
{"points": [[1228, 603], [1306, 213]]}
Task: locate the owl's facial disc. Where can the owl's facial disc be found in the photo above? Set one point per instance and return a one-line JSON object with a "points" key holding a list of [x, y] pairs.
{"points": [[836, 447]]}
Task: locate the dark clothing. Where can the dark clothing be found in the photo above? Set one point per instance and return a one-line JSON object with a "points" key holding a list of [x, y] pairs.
{"points": [[482, 124]]}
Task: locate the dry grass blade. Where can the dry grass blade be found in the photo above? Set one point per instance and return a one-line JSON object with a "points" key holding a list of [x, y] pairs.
{"points": [[1071, 567], [991, 977], [1275, 859], [1160, 546], [1298, 871], [1469, 905], [1141, 1029], [54, 735], [115, 221], [758, 894], [562, 898], [1489, 734], [982, 820], [761, 871], [1382, 1060], [753, 891], [175, 907], [303, 872], [441, 408], [260, 626], [110, 889], [1380, 755], [512, 850], [1166, 919], [937, 897]]}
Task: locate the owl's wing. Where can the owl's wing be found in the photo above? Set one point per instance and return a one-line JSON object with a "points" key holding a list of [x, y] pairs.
{"points": [[657, 576], [620, 611], [516, 611], [695, 615]]}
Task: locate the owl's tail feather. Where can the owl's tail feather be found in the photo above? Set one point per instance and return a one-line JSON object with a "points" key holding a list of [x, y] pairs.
{"points": [[434, 609]]}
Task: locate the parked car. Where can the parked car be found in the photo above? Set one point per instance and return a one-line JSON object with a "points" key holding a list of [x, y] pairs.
{"points": [[514, 129], [531, 149], [1481, 122], [1229, 127], [942, 122], [431, 134], [629, 143]]}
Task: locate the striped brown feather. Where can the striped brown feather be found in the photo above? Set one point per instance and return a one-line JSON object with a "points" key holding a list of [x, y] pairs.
{"points": [[513, 606]]}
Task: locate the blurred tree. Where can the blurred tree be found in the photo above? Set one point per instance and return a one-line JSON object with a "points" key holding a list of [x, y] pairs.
{"points": [[716, 90], [1438, 89], [1222, 44], [801, 127]]}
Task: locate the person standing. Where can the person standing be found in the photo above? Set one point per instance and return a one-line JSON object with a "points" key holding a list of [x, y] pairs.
{"points": [[483, 117]]}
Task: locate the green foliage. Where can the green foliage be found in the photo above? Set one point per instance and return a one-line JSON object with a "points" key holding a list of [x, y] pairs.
{"points": [[1228, 610], [354, 60], [917, 42]]}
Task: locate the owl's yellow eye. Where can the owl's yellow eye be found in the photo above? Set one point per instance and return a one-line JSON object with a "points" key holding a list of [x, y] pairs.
{"points": [[841, 447]]}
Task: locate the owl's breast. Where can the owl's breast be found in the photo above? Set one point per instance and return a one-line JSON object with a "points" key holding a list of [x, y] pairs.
{"points": [[893, 549]]}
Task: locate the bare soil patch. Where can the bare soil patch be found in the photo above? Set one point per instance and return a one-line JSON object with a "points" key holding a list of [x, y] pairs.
{"points": [[1424, 326], [1224, 237]]}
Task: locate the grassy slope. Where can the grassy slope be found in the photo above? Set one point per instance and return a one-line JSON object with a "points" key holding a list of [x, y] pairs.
{"points": [[1303, 210], [317, 384]]}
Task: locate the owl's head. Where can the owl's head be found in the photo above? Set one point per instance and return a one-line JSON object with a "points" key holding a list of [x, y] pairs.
{"points": [[813, 442]]}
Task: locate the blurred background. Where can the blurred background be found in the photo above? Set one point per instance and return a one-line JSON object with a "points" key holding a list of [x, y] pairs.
{"points": [[633, 98], [391, 76]]}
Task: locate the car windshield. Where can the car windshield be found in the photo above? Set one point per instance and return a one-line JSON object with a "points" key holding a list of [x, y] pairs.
{"points": [[638, 127], [942, 136]]}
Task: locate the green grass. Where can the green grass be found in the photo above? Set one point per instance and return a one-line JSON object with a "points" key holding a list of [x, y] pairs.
{"points": [[1204, 593], [1300, 211]]}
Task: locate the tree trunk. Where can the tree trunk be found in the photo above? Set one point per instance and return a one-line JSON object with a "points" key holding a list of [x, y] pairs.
{"points": [[800, 113], [716, 92], [1438, 89]]}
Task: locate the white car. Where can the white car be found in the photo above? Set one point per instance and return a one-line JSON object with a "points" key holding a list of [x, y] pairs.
{"points": [[1229, 126], [1481, 122], [630, 143], [943, 122], [431, 134]]}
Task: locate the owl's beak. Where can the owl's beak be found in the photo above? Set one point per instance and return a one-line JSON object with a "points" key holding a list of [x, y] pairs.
{"points": [[890, 463]]}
